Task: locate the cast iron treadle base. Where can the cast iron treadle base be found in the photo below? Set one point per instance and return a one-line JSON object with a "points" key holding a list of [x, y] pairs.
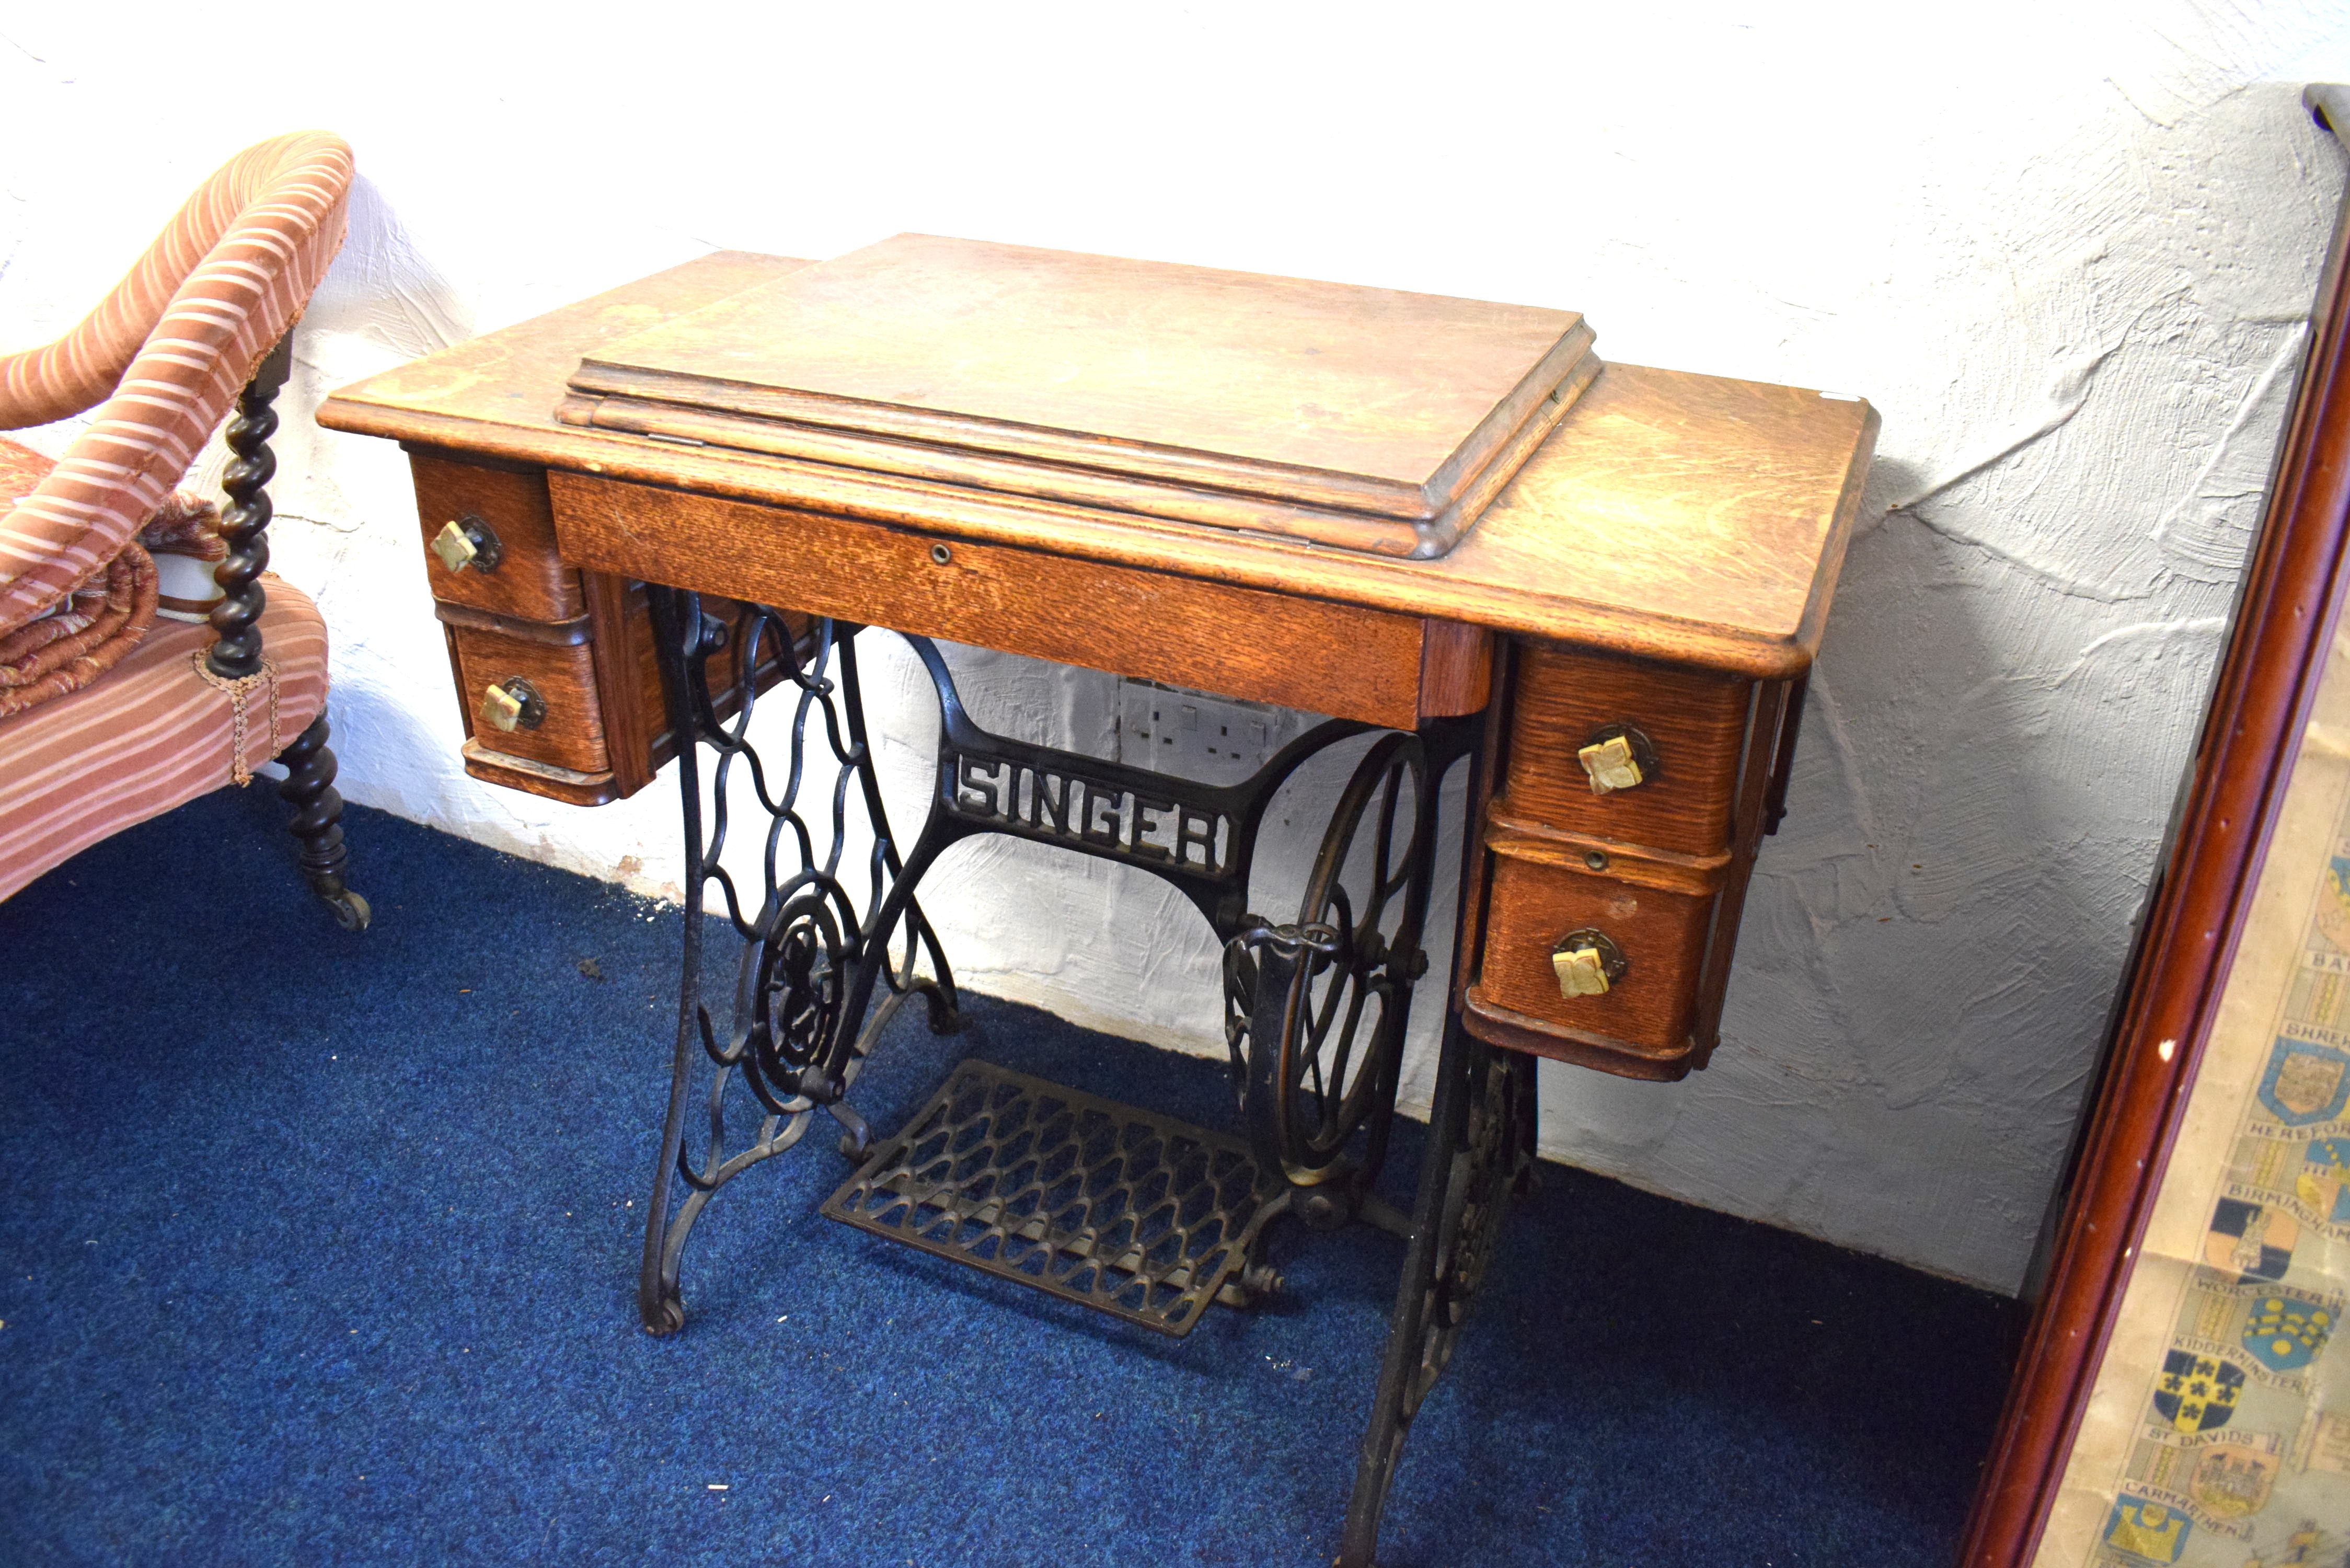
{"points": [[1141, 1216]]}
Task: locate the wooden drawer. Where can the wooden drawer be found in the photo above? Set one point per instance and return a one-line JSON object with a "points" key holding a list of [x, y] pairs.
{"points": [[571, 733], [1696, 720], [1659, 923], [530, 580], [1301, 652], [605, 731], [583, 642], [1661, 868]]}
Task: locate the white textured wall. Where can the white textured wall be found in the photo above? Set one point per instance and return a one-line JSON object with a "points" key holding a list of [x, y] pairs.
{"points": [[2065, 248]]}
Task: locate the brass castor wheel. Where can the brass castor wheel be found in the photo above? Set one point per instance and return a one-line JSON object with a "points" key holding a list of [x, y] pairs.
{"points": [[351, 910]]}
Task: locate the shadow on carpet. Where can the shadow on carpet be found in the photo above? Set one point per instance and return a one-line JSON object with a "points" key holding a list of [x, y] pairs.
{"points": [[321, 1249]]}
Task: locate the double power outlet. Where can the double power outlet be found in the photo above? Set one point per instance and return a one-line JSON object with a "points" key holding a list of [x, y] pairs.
{"points": [[1215, 740]]}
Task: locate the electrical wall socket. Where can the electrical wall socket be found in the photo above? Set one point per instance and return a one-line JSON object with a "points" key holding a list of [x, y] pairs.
{"points": [[1193, 735]]}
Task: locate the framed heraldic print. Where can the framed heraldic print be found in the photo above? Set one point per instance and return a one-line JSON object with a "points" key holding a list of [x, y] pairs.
{"points": [[2184, 1393]]}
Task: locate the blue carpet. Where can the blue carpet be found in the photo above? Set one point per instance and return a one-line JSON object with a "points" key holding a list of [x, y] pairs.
{"points": [[318, 1248]]}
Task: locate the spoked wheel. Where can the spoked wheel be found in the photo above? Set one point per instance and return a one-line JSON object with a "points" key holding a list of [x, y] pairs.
{"points": [[1314, 1011]]}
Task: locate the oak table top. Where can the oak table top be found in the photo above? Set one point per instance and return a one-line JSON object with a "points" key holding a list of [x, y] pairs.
{"points": [[1365, 419], [1687, 518]]}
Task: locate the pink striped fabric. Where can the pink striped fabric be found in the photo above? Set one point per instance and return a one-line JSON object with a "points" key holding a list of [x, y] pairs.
{"points": [[148, 737], [167, 348], [88, 631]]}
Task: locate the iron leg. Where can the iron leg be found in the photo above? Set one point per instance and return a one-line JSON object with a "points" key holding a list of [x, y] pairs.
{"points": [[815, 984], [1479, 1152]]}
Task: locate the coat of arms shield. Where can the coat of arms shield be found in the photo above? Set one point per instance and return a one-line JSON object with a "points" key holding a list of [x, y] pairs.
{"points": [[2144, 1528], [2252, 1241], [2285, 1334], [2198, 1393], [2231, 1481], [2323, 1182], [2305, 1082]]}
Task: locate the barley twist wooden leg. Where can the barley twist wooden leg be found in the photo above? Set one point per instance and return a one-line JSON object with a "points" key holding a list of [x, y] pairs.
{"points": [[309, 788]]}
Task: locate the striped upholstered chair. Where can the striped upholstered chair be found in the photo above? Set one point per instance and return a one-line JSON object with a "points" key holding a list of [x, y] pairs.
{"points": [[123, 694]]}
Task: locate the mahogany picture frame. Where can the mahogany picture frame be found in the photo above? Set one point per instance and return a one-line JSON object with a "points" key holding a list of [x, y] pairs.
{"points": [[2289, 605]]}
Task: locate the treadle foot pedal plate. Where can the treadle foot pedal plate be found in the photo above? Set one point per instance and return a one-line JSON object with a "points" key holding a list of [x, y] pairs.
{"points": [[1138, 1215]]}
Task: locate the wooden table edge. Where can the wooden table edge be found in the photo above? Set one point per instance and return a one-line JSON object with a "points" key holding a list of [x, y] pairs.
{"points": [[1812, 624], [1368, 582]]}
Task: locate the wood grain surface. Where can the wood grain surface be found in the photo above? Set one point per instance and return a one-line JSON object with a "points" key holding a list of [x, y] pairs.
{"points": [[1636, 864], [531, 579], [627, 677], [1061, 477], [1696, 720], [1456, 669], [1683, 518], [532, 776], [628, 673], [1512, 1030], [572, 734], [1679, 868], [1368, 399], [1484, 784], [1532, 905], [1671, 541], [554, 633], [1338, 659], [1758, 774]]}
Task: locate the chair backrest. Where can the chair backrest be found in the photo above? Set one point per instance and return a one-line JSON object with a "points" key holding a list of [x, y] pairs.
{"points": [[167, 348]]}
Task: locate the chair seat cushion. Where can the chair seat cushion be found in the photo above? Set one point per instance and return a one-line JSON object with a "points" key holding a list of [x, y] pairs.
{"points": [[151, 735]]}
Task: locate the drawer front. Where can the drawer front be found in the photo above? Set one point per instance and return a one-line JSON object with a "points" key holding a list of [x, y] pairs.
{"points": [[570, 735], [1659, 868], [1694, 722], [1652, 1007], [628, 666], [1324, 657], [529, 578]]}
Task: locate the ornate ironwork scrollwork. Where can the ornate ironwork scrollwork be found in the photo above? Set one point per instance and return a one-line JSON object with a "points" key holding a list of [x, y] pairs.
{"points": [[797, 998], [1316, 1010], [812, 954]]}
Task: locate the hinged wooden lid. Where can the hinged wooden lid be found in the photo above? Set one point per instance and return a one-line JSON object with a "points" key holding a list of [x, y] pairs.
{"points": [[1365, 418]]}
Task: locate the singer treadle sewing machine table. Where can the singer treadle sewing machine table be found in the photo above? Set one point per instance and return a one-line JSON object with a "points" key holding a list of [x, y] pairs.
{"points": [[1440, 523]]}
